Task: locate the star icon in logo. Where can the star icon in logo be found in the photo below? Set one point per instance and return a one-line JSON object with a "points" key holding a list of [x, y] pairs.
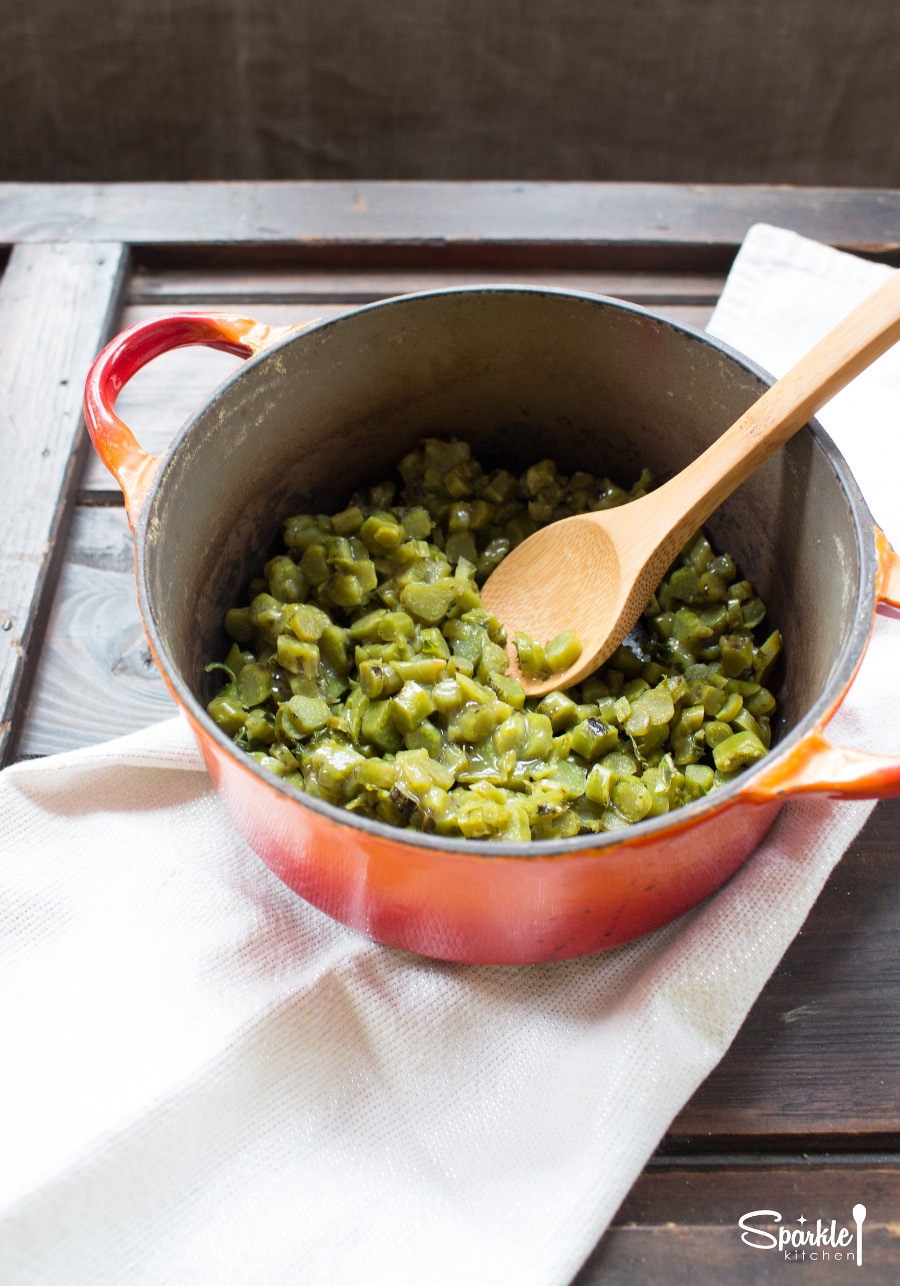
{"points": [[801, 1220]]}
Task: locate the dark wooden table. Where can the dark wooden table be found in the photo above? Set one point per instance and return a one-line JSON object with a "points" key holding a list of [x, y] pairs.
{"points": [[803, 1114]]}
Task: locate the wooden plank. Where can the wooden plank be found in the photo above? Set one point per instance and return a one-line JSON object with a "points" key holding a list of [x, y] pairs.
{"points": [[502, 217], [710, 1256], [680, 1224], [164, 394], [819, 1053], [231, 287], [56, 306], [96, 678], [702, 1191], [696, 315]]}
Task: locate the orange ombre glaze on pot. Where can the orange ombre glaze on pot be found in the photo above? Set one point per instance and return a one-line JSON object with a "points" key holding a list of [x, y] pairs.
{"points": [[325, 411], [474, 908]]}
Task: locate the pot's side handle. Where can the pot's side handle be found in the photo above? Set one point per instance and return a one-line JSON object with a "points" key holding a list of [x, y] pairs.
{"points": [[817, 765], [124, 356], [887, 588]]}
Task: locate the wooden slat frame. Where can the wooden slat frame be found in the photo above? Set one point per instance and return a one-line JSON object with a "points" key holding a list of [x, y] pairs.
{"points": [[227, 287], [680, 220], [43, 363], [678, 1224]]}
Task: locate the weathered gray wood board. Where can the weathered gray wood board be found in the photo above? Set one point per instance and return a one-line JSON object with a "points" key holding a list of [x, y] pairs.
{"points": [[43, 363], [96, 678], [442, 224], [801, 1115], [679, 1224], [293, 285]]}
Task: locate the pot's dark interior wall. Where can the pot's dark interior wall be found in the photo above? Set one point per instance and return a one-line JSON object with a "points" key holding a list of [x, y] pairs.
{"points": [[795, 91]]}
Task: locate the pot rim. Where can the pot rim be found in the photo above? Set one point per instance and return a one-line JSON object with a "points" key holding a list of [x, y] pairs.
{"points": [[842, 671]]}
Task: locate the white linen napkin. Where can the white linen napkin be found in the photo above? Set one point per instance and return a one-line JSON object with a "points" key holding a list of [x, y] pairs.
{"points": [[784, 292], [205, 1080]]}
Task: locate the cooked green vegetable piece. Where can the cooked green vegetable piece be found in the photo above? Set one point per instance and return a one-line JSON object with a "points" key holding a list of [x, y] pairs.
{"points": [[254, 684], [239, 625], [508, 689], [310, 623], [299, 658], [698, 779], [563, 651], [365, 670], [601, 780], [738, 750], [593, 738], [765, 656], [379, 729], [410, 706], [227, 711], [560, 709], [286, 582], [532, 658], [428, 603], [631, 798], [308, 714]]}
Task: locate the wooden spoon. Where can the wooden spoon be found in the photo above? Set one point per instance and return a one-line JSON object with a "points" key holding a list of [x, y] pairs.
{"points": [[596, 572]]}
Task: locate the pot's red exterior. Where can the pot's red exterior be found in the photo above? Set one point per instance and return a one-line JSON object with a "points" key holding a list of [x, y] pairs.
{"points": [[486, 910], [457, 901]]}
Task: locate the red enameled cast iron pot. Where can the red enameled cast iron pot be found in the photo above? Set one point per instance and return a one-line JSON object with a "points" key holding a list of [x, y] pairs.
{"points": [[523, 374]]}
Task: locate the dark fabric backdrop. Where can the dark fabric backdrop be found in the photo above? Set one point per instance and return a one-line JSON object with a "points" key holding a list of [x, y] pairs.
{"points": [[792, 91]]}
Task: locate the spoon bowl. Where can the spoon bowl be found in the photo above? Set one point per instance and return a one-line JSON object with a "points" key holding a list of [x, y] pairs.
{"points": [[582, 558], [596, 572]]}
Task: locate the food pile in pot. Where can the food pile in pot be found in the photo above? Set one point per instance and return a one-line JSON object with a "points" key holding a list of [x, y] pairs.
{"points": [[365, 671]]}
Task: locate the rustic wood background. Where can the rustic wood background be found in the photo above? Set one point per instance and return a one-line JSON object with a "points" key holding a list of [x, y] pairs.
{"points": [[744, 91], [803, 1112]]}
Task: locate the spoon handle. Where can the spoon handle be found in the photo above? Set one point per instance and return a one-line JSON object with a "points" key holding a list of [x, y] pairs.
{"points": [[852, 345]]}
